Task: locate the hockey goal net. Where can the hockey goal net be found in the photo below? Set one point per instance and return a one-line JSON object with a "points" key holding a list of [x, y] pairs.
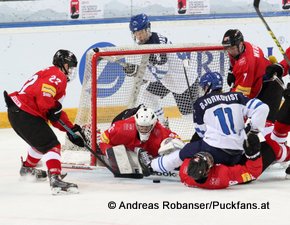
{"points": [[162, 77]]}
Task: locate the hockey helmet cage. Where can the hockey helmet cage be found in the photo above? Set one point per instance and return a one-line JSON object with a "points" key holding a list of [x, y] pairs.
{"points": [[232, 37], [145, 119], [139, 22], [199, 165]]}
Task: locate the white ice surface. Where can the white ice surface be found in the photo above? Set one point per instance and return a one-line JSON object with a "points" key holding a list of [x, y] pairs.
{"points": [[28, 203]]}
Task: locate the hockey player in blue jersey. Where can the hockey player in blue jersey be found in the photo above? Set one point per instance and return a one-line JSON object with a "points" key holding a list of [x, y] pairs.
{"points": [[163, 77], [219, 120]]}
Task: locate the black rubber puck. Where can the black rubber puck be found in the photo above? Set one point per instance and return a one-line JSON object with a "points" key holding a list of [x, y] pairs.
{"points": [[156, 181]]}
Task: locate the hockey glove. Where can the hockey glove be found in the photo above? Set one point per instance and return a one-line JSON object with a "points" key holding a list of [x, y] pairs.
{"points": [[157, 59], [54, 114], [252, 146], [272, 70], [231, 78], [77, 139], [130, 69], [195, 137]]}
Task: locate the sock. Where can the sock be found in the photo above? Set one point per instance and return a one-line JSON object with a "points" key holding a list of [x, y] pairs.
{"points": [[280, 132], [33, 157], [166, 163], [52, 158], [281, 151]]}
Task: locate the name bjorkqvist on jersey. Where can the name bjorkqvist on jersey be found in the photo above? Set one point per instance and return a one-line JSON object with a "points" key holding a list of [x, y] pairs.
{"points": [[192, 205], [218, 98]]}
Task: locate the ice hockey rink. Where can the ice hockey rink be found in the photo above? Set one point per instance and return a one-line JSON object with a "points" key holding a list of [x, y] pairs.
{"points": [[28, 203]]}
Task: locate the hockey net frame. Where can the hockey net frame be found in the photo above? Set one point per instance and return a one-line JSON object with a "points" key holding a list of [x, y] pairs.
{"points": [[116, 55]]}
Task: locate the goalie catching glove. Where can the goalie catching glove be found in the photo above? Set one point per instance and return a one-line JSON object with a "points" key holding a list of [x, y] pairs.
{"points": [[77, 139], [169, 145]]}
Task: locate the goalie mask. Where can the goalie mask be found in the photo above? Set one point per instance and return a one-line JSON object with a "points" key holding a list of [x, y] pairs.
{"points": [[200, 165], [211, 81], [140, 28], [62, 57], [145, 119]]}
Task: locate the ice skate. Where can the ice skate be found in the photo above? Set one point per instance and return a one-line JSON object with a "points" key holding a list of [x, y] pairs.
{"points": [[144, 161], [38, 174], [287, 171], [59, 186]]}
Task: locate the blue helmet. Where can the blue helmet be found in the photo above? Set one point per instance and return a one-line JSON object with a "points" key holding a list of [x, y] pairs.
{"points": [[212, 81], [139, 22]]}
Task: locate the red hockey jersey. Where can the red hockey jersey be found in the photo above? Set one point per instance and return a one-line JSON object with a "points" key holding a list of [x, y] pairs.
{"points": [[249, 70], [221, 176], [284, 62], [42, 92], [124, 132]]}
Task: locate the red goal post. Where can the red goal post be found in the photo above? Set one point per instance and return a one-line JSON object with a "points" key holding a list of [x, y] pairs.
{"points": [[163, 77]]}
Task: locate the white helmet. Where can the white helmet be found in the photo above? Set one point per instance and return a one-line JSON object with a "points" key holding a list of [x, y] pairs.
{"points": [[145, 121]]}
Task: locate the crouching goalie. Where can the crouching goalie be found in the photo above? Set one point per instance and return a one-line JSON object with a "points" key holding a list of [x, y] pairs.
{"points": [[139, 133]]}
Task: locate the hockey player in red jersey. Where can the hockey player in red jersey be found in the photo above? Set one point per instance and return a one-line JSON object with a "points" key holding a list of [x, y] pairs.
{"points": [[247, 71], [200, 171], [29, 111], [248, 64], [143, 130], [285, 64]]}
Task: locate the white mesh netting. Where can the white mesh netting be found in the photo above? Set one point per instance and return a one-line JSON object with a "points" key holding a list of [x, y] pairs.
{"points": [[164, 79]]}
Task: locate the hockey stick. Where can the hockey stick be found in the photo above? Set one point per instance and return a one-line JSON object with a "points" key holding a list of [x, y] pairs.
{"points": [[256, 6], [138, 80], [124, 65], [117, 59], [99, 155], [185, 65], [96, 154]]}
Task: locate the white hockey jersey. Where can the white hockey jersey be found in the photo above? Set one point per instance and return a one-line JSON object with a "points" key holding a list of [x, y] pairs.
{"points": [[169, 68], [220, 118]]}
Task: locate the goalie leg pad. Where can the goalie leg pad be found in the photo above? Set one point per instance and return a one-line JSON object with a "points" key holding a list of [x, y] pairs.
{"points": [[122, 162]]}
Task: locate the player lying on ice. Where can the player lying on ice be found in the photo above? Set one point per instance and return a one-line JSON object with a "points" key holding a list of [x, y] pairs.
{"points": [[219, 123], [202, 171]]}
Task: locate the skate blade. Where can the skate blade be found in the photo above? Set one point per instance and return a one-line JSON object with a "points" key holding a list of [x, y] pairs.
{"points": [[59, 191], [287, 177]]}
